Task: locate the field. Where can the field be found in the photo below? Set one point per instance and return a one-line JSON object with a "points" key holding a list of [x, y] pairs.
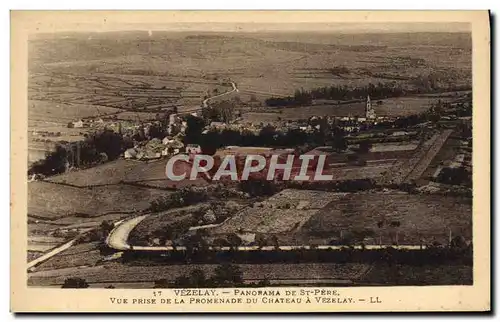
{"points": [[301, 216], [278, 273], [384, 274], [136, 75], [402, 106], [444, 158], [149, 174], [159, 221], [420, 218], [83, 255], [106, 174], [283, 212], [43, 243], [52, 201]]}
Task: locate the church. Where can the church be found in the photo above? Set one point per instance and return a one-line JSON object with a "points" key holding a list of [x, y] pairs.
{"points": [[369, 110]]}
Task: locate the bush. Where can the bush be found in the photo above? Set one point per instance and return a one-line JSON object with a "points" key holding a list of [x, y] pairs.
{"points": [[182, 198], [75, 282], [258, 187], [228, 275]]}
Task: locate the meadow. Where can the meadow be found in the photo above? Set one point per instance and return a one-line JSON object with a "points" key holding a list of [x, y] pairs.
{"points": [[54, 201]]}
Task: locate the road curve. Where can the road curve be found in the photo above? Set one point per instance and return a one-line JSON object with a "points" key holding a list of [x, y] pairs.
{"points": [[205, 101], [117, 238]]}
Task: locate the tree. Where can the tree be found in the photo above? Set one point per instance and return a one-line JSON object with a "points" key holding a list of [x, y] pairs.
{"points": [[194, 128], [261, 241], [107, 141], [275, 241], [75, 282], [339, 142], [161, 283], [228, 275], [234, 240], [54, 162], [209, 217], [107, 226], [223, 111], [365, 146], [458, 242], [197, 278], [258, 186], [454, 176]]}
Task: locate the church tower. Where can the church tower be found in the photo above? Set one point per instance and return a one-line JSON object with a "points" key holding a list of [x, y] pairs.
{"points": [[369, 110]]}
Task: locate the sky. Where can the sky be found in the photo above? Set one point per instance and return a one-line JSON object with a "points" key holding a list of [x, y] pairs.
{"points": [[320, 27], [275, 27], [240, 21]]}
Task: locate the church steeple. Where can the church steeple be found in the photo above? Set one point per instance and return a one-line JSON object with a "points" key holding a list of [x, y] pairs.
{"points": [[369, 110]]}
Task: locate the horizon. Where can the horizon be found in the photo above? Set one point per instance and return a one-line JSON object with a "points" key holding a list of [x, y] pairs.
{"points": [[305, 27]]}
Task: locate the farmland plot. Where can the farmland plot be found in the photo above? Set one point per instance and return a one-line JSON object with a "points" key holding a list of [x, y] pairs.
{"points": [[69, 260], [115, 272], [307, 199], [108, 173], [265, 220], [429, 155], [49, 111], [450, 274], [86, 221], [136, 116], [52, 201], [370, 171], [419, 217]]}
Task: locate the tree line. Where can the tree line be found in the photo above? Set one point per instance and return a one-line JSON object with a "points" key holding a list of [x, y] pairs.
{"points": [[457, 252], [96, 148], [339, 93], [345, 93]]}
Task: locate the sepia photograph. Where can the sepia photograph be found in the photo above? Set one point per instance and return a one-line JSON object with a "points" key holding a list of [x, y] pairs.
{"points": [[254, 156]]}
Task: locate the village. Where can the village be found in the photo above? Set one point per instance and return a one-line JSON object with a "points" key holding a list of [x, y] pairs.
{"points": [[367, 127]]}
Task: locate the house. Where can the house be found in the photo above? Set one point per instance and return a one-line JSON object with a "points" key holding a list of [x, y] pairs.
{"points": [[458, 162], [170, 151], [78, 124], [351, 129], [130, 154], [247, 237], [399, 133], [167, 140], [217, 124], [193, 148]]}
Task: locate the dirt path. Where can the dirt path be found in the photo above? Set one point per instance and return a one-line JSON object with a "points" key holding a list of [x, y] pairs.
{"points": [[235, 89]]}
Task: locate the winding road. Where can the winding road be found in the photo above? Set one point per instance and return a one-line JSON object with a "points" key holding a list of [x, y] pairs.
{"points": [[204, 104], [235, 89]]}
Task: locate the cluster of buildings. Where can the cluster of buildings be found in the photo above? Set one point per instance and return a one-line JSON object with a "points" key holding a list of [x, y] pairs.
{"points": [[349, 124]]}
